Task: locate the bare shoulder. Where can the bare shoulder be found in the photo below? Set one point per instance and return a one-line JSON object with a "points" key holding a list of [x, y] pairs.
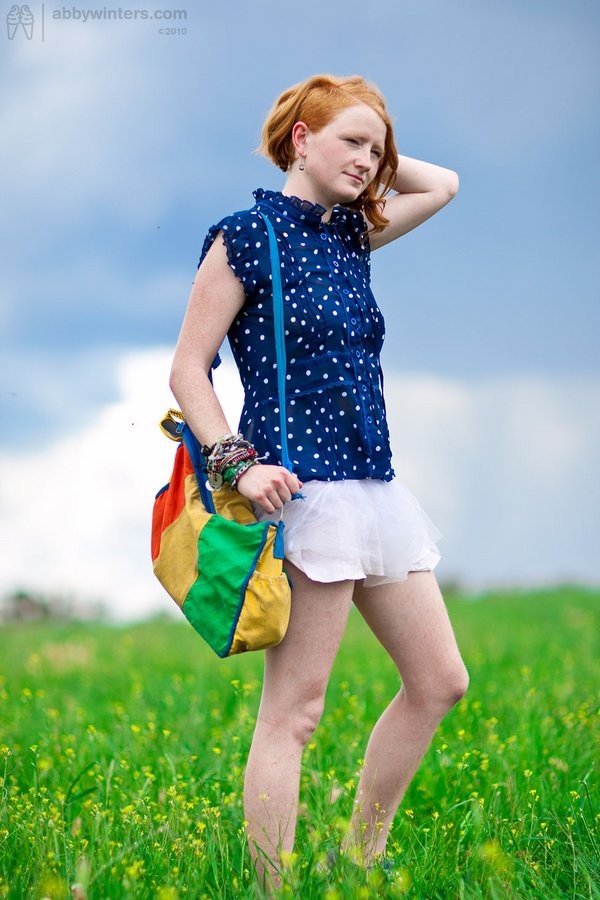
{"points": [[215, 300], [215, 271]]}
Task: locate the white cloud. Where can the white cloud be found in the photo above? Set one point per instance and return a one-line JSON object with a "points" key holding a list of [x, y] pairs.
{"points": [[75, 514], [503, 467], [506, 467]]}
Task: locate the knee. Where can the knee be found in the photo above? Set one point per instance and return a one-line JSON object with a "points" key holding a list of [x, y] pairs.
{"points": [[297, 722], [304, 719], [456, 686], [443, 690]]}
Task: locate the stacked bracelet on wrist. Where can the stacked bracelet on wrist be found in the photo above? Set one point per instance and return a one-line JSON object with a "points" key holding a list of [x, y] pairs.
{"points": [[228, 459]]}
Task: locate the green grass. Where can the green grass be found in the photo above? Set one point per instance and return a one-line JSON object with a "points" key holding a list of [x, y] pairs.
{"points": [[122, 754]]}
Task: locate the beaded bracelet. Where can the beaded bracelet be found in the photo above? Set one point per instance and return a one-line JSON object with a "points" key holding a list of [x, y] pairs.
{"points": [[226, 457], [223, 445], [233, 474]]}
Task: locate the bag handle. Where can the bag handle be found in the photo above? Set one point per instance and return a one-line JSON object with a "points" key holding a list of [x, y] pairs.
{"points": [[279, 338]]}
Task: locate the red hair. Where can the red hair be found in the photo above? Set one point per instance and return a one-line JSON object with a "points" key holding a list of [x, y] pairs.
{"points": [[316, 102]]}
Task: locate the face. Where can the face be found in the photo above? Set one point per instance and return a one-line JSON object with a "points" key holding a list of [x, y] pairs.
{"points": [[343, 157]]}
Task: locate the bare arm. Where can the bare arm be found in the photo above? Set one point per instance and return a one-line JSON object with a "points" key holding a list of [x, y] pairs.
{"points": [[422, 189], [216, 298]]}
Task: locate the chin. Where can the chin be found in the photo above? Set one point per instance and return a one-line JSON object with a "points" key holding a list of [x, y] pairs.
{"points": [[350, 195]]}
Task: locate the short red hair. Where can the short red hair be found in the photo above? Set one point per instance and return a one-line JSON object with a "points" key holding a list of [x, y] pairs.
{"points": [[317, 101]]}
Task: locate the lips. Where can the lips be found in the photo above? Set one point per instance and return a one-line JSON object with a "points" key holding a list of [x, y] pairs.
{"points": [[356, 178]]}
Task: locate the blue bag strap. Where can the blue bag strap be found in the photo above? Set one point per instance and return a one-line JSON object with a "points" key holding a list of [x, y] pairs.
{"points": [[279, 338], [192, 445]]}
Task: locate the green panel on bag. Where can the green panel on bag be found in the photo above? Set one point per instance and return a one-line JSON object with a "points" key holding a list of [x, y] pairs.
{"points": [[213, 602]]}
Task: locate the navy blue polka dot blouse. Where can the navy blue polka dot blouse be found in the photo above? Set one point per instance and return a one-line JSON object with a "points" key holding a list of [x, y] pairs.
{"points": [[334, 333]]}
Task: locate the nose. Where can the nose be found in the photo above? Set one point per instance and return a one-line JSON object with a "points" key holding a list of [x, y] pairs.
{"points": [[363, 160]]}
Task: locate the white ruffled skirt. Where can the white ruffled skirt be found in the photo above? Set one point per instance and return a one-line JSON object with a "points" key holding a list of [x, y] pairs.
{"points": [[368, 530]]}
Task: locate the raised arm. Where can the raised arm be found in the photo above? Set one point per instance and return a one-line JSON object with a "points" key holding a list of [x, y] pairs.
{"points": [[422, 189]]}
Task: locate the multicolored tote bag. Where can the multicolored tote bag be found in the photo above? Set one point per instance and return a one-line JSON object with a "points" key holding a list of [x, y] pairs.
{"points": [[222, 567]]}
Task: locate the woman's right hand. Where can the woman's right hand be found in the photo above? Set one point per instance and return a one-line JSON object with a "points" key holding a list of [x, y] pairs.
{"points": [[268, 486]]}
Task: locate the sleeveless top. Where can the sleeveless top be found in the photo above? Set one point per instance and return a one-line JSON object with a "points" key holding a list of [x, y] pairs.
{"points": [[334, 332]]}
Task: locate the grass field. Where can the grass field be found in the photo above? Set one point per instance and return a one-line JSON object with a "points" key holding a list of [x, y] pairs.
{"points": [[122, 753]]}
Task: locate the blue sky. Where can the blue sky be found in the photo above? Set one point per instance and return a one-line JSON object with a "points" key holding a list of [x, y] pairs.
{"points": [[121, 145]]}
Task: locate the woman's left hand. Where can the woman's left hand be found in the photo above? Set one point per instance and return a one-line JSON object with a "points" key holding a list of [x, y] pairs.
{"points": [[268, 486]]}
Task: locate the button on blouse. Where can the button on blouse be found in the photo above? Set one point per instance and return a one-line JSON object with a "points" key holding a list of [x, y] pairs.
{"points": [[334, 332]]}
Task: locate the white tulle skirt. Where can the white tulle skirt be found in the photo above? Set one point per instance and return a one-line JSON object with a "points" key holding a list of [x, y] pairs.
{"points": [[368, 530]]}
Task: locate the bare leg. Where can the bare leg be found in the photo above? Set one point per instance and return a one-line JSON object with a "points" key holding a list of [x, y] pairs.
{"points": [[296, 676], [410, 620]]}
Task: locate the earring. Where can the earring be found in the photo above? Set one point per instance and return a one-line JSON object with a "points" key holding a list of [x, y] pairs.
{"points": [[301, 166]]}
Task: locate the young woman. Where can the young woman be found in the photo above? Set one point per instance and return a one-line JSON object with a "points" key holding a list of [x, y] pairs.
{"points": [[358, 536]]}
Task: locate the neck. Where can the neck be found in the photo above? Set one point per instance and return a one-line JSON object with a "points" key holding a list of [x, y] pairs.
{"points": [[297, 186]]}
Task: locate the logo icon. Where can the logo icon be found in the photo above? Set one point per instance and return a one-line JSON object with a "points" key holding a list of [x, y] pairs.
{"points": [[19, 16]]}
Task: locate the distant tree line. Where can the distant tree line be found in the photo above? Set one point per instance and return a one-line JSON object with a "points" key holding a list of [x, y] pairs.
{"points": [[30, 606]]}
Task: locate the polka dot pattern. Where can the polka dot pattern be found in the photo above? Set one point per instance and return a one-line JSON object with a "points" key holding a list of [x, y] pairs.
{"points": [[334, 333]]}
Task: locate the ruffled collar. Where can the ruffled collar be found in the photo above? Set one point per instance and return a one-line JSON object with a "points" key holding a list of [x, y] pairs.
{"points": [[290, 206]]}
